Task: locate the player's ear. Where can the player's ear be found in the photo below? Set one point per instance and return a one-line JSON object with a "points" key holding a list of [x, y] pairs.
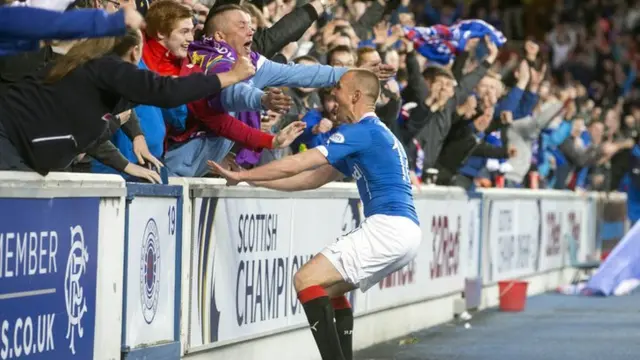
{"points": [[356, 96]]}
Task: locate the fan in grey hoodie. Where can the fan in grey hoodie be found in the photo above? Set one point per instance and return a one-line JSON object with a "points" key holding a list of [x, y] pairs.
{"points": [[522, 133]]}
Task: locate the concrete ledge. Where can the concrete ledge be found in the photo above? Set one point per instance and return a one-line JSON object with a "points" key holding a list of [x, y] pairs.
{"points": [[32, 185]]}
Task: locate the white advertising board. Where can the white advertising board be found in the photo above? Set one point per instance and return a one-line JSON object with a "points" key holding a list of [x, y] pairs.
{"points": [[245, 254], [241, 268], [246, 251], [439, 267], [513, 234], [151, 271], [564, 220], [473, 239]]}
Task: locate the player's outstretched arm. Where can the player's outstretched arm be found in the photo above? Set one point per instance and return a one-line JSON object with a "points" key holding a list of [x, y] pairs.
{"points": [[306, 180], [279, 169]]}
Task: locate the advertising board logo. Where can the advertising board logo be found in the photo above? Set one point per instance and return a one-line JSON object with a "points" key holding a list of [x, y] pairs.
{"points": [[75, 300], [150, 271], [445, 246]]}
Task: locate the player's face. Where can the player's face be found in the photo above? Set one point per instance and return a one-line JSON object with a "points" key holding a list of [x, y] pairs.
{"points": [[343, 100]]}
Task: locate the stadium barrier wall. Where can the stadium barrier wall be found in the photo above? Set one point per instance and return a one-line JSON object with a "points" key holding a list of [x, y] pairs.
{"points": [[526, 236], [61, 264], [246, 243], [152, 272], [200, 270], [610, 215]]}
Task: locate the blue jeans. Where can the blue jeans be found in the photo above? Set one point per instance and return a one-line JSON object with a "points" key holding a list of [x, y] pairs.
{"points": [[190, 159]]}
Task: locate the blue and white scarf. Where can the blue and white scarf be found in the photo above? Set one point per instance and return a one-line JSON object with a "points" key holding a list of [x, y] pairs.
{"points": [[440, 43]]}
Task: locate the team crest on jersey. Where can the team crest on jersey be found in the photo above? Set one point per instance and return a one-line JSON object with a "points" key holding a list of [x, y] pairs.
{"points": [[150, 271], [337, 138]]}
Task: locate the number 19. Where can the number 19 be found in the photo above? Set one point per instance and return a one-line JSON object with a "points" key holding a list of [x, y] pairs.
{"points": [[172, 219]]}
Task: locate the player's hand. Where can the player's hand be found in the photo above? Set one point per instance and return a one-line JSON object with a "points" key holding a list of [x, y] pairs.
{"points": [[276, 100], [232, 177], [287, 135]]}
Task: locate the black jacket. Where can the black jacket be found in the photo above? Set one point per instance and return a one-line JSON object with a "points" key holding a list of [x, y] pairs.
{"points": [[290, 28], [49, 124], [462, 142], [431, 128]]}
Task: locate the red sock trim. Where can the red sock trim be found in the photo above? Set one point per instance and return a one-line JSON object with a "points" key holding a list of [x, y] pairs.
{"points": [[312, 292], [340, 303]]}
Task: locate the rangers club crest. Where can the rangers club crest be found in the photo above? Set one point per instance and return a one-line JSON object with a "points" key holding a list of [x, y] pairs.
{"points": [[150, 271], [76, 302]]}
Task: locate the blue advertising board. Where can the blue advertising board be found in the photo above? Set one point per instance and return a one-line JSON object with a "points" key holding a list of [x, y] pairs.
{"points": [[48, 262]]}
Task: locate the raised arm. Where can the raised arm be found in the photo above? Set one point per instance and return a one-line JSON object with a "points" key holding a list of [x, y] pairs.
{"points": [[241, 97], [306, 180], [272, 74], [249, 97], [289, 28], [145, 87], [468, 82], [285, 167], [76, 24]]}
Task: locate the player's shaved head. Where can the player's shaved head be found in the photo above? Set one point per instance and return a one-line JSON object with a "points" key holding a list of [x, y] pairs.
{"points": [[356, 93], [365, 81]]}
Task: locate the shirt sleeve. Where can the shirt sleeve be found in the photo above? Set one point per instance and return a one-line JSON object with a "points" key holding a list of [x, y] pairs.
{"points": [[76, 24], [348, 140], [242, 97], [272, 74]]}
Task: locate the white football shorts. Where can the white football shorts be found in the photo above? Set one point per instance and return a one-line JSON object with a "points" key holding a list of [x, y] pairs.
{"points": [[381, 245]]}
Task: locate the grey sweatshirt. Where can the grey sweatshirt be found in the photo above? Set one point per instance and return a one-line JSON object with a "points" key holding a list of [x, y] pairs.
{"points": [[522, 133]]}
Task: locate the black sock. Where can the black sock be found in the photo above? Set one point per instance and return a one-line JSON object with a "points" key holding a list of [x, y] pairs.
{"points": [[320, 315], [344, 325]]}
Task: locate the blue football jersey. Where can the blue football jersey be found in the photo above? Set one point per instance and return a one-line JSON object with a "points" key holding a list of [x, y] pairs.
{"points": [[368, 152]]}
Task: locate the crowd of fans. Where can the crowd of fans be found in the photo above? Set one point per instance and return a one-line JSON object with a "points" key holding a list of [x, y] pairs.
{"points": [[557, 106]]}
